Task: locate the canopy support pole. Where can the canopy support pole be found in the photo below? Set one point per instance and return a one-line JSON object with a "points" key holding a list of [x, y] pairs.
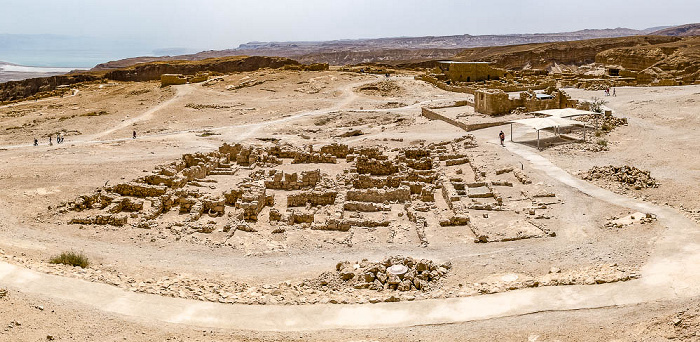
{"points": [[511, 132], [538, 139], [584, 132]]}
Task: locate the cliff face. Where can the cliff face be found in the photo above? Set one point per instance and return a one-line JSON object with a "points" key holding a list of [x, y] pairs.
{"points": [[15, 90], [634, 58], [152, 71]]}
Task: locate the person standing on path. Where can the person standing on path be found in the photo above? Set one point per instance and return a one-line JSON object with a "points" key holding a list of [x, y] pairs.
{"points": [[36, 142], [614, 94], [502, 136], [134, 135]]}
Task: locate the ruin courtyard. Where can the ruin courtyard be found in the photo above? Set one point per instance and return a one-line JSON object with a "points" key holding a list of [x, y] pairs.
{"points": [[300, 203]]}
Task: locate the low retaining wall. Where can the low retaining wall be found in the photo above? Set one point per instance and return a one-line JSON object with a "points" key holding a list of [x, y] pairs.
{"points": [[467, 127], [435, 116]]}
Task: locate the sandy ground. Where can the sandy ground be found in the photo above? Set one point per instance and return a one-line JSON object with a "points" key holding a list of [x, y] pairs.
{"points": [[314, 108]]}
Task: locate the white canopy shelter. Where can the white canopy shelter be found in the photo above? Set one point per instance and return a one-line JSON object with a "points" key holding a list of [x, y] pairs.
{"points": [[565, 112], [549, 122]]}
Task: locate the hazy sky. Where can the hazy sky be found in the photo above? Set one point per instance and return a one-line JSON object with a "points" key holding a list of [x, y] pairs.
{"points": [[217, 24], [126, 28]]}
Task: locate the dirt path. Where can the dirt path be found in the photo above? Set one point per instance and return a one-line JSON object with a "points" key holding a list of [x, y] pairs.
{"points": [[180, 91], [670, 273], [232, 132]]}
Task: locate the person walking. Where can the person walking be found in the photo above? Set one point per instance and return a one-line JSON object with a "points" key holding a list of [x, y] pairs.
{"points": [[614, 94], [134, 135], [502, 136], [36, 142]]}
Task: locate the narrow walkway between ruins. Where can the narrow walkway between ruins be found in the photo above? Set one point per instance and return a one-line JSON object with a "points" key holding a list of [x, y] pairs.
{"points": [[669, 273]]}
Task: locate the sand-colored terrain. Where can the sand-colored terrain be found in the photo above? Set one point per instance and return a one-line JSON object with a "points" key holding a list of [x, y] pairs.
{"points": [[530, 228]]}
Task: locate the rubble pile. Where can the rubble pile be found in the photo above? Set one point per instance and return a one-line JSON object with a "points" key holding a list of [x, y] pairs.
{"points": [[627, 175], [394, 273], [607, 123]]}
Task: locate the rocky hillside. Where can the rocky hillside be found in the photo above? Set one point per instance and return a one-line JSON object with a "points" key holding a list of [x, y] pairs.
{"points": [[546, 55], [676, 60]]}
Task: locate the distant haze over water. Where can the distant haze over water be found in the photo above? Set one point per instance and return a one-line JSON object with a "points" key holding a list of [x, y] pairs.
{"points": [[67, 51]]}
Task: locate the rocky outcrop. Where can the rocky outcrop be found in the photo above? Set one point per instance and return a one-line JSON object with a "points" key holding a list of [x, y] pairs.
{"points": [[153, 71], [16, 90]]}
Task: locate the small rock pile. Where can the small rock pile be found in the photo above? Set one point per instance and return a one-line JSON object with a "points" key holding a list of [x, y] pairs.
{"points": [[394, 273], [629, 175], [608, 123]]}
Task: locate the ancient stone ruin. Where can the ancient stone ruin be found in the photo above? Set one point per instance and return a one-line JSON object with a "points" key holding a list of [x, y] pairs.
{"points": [[267, 189]]}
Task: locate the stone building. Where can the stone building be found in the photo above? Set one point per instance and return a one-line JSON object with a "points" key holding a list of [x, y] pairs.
{"points": [[470, 71], [495, 102]]}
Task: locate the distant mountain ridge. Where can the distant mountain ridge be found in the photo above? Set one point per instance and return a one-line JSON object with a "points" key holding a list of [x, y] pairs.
{"points": [[682, 30], [354, 51], [452, 41]]}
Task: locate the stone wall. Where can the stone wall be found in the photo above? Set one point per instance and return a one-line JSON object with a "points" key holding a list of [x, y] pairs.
{"points": [[400, 195], [470, 71], [287, 181], [312, 197], [375, 167], [138, 189]]}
